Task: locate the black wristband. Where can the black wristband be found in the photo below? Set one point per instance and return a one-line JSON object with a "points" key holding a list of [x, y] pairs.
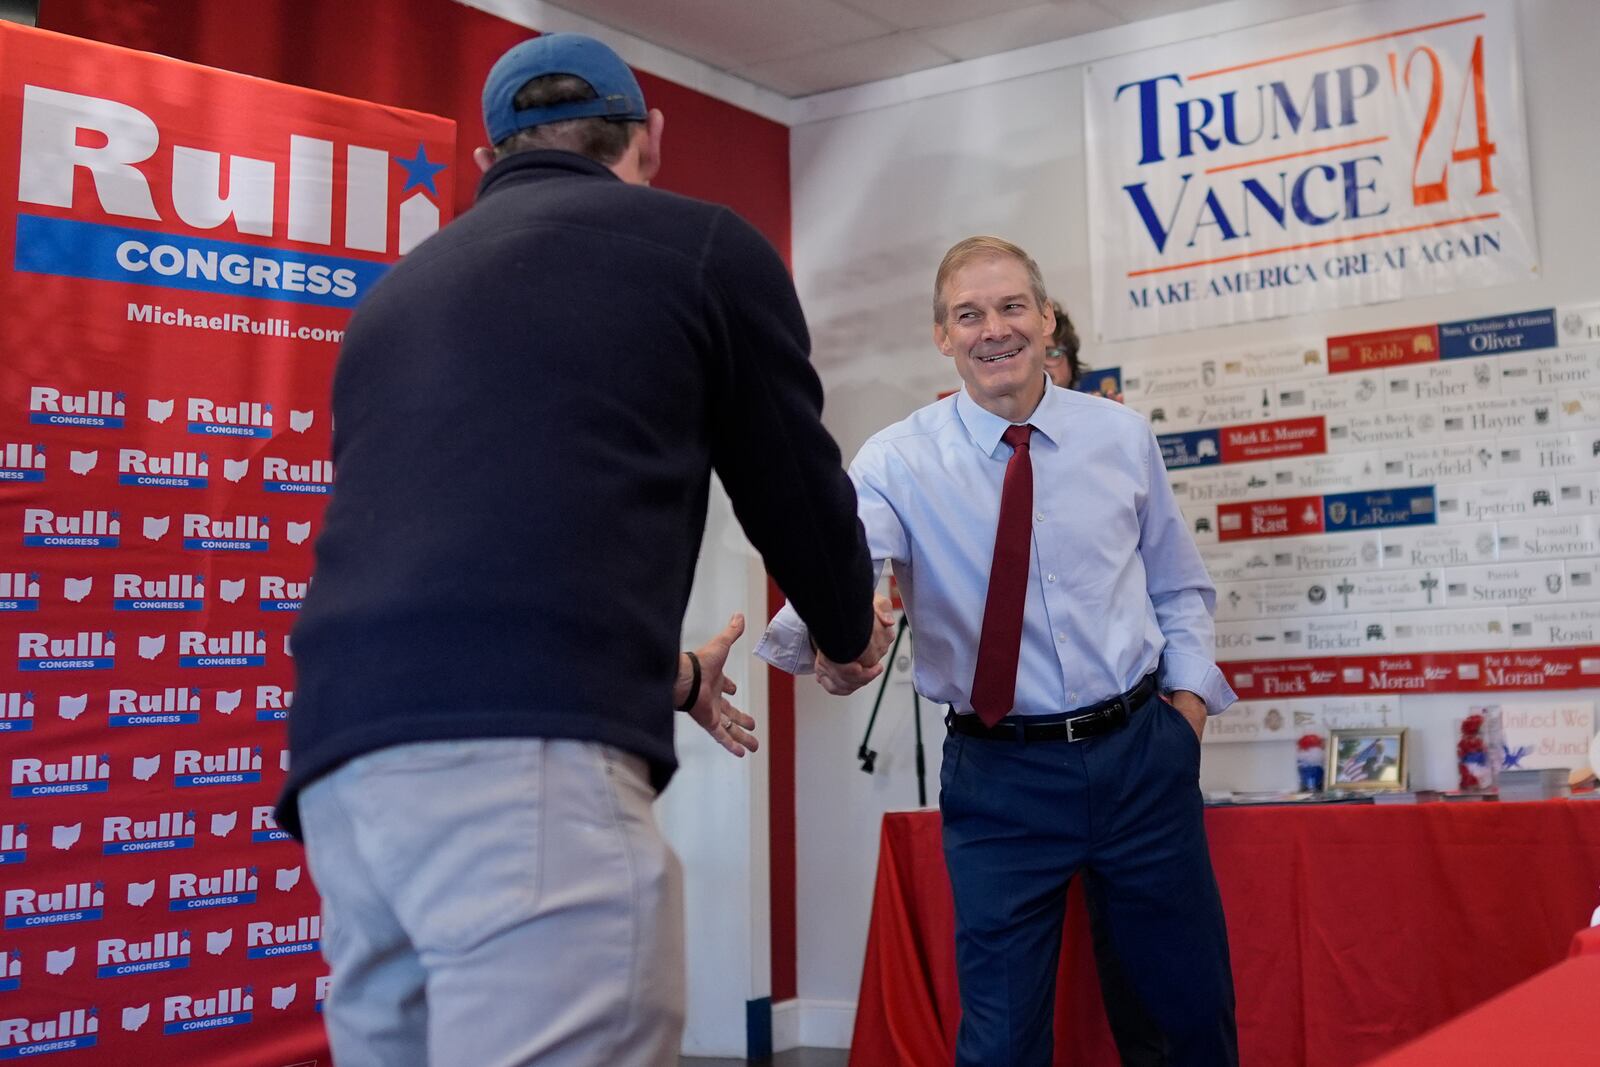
{"points": [[694, 682]]}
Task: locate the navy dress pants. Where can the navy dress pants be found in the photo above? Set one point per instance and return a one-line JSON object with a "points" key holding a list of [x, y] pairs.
{"points": [[1020, 819]]}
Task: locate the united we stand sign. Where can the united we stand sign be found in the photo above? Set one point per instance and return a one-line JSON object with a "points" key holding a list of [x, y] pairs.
{"points": [[1364, 154], [180, 251]]}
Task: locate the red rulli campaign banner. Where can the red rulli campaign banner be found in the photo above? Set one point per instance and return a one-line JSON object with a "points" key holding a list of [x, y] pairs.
{"points": [[180, 251]]}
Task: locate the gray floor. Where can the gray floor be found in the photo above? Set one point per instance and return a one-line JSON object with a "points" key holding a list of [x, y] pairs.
{"points": [[799, 1057]]}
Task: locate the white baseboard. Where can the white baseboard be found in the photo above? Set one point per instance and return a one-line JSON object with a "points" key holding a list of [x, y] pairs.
{"points": [[812, 1024], [785, 1025]]}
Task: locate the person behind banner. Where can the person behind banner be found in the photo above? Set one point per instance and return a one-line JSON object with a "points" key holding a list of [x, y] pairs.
{"points": [[1064, 364], [1063, 613], [529, 408], [1061, 354]]}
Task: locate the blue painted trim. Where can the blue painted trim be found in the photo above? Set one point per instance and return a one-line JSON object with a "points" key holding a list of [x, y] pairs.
{"points": [[758, 1028]]}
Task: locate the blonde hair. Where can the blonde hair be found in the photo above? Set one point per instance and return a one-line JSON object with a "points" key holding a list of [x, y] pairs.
{"points": [[982, 247]]}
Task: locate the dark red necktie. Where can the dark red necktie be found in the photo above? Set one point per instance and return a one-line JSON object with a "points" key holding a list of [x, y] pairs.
{"points": [[994, 683]]}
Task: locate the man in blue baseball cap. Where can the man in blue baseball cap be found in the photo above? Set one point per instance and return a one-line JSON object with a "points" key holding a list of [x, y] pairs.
{"points": [[529, 408], [538, 91]]}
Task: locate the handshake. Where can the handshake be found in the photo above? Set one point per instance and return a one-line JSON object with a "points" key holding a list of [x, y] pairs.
{"points": [[841, 679]]}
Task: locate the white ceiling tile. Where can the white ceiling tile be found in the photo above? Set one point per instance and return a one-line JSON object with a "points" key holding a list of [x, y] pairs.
{"points": [[1017, 29], [849, 64], [734, 33], [917, 14], [1134, 10], [797, 48]]}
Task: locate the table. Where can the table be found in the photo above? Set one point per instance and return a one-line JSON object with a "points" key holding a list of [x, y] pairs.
{"points": [[1352, 928], [1547, 1019]]}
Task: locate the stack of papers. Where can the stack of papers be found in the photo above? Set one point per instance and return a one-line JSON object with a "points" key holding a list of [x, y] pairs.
{"points": [[1546, 783]]}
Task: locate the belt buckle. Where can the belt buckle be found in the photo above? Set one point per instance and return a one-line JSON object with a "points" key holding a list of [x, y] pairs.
{"points": [[1072, 728]]}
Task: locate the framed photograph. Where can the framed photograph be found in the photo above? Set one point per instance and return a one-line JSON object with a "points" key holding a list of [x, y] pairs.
{"points": [[1367, 759]]}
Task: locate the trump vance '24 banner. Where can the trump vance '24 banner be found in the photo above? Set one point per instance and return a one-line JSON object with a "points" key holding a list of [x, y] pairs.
{"points": [[1364, 154]]}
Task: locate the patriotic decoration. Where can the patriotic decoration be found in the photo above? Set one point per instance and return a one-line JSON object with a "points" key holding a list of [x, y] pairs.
{"points": [[1472, 755], [1309, 762]]}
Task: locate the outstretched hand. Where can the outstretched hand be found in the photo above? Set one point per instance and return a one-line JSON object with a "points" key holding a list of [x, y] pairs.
{"points": [[726, 724]]}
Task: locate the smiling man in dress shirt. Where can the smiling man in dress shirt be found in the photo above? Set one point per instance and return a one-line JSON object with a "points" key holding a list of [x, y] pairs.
{"points": [[1062, 612]]}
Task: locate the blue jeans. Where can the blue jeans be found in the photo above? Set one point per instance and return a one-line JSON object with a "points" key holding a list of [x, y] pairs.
{"points": [[497, 902], [1020, 819]]}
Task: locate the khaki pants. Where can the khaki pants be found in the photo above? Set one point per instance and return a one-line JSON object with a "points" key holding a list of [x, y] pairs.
{"points": [[497, 902]]}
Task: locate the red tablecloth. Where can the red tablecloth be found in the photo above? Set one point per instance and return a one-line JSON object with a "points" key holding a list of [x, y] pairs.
{"points": [[1353, 928], [1549, 1019]]}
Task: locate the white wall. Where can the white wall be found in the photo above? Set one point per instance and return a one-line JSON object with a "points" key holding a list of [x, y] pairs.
{"points": [[714, 814], [880, 194]]}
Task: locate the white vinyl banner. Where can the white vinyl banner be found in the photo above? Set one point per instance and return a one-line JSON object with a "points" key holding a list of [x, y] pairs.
{"points": [[1359, 155]]}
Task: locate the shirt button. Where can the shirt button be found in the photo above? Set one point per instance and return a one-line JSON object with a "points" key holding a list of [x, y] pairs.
{"points": [[1050, 577], [1038, 516], [1061, 637]]}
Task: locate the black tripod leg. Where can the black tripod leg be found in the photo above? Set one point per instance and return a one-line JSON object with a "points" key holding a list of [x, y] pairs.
{"points": [[922, 769], [863, 753]]}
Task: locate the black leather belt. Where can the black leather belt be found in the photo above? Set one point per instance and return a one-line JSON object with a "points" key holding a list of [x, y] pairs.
{"points": [[1096, 720]]}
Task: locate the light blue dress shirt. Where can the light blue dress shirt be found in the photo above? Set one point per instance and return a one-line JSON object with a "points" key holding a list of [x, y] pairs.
{"points": [[1115, 585]]}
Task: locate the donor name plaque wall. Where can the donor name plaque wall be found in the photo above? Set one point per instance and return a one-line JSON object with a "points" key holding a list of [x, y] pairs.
{"points": [[1414, 510]]}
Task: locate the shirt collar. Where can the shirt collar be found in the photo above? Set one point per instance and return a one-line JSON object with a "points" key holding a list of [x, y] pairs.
{"points": [[1049, 419]]}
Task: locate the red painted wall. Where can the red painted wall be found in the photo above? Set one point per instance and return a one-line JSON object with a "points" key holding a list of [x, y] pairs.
{"points": [[431, 55], [781, 820]]}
